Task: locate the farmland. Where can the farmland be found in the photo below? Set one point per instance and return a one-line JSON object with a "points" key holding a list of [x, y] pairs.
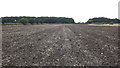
{"points": [[59, 45]]}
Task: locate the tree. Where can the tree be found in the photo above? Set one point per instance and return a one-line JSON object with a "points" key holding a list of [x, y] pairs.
{"points": [[36, 20], [24, 21], [103, 20], [32, 21]]}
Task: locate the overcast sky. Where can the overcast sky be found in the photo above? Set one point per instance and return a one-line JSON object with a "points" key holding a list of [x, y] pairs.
{"points": [[79, 10]]}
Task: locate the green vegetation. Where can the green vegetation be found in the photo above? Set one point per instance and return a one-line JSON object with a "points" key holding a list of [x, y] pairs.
{"points": [[12, 24], [102, 20], [54, 20], [37, 20], [24, 21]]}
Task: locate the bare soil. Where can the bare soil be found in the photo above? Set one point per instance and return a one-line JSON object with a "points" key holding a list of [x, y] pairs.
{"points": [[60, 45]]}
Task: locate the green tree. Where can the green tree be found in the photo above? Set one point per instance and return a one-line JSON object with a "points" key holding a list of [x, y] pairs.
{"points": [[32, 21], [24, 21]]}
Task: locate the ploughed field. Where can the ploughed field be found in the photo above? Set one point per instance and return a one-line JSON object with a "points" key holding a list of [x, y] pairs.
{"points": [[59, 45]]}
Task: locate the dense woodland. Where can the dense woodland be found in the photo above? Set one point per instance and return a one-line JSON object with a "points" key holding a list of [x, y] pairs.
{"points": [[57, 20], [36, 20], [103, 20]]}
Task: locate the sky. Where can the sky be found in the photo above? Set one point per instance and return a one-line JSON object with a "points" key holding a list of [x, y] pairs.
{"points": [[79, 10]]}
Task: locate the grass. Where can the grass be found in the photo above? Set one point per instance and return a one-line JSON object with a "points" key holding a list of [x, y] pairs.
{"points": [[19, 24], [105, 24], [12, 24]]}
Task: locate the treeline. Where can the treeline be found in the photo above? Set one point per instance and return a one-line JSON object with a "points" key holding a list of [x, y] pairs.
{"points": [[54, 20], [36, 20], [103, 20]]}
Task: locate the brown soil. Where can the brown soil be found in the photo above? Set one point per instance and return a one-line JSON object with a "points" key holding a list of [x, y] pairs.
{"points": [[59, 45]]}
